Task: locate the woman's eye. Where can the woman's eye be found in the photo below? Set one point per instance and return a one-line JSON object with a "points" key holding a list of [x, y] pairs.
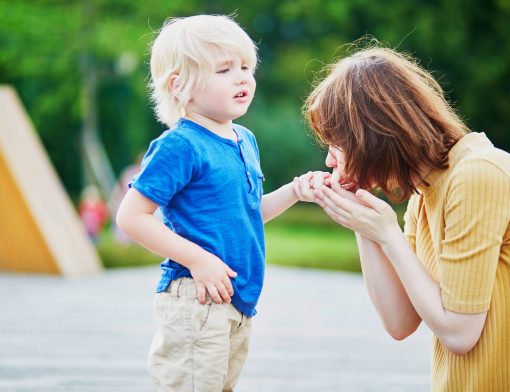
{"points": [[224, 70]]}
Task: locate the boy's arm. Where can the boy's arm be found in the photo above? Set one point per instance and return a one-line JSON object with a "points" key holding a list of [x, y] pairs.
{"points": [[276, 202], [135, 217], [301, 189]]}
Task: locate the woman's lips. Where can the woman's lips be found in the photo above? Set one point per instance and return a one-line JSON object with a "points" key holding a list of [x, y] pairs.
{"points": [[345, 182], [349, 185]]}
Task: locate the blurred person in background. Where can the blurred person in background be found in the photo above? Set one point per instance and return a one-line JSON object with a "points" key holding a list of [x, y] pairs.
{"points": [[93, 211]]}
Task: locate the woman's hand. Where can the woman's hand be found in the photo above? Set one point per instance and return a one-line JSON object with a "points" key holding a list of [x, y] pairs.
{"points": [[361, 212]]}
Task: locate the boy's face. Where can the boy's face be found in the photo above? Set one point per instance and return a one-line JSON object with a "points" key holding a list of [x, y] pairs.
{"points": [[227, 93]]}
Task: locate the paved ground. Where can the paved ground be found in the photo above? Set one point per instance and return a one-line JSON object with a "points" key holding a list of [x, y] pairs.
{"points": [[315, 331]]}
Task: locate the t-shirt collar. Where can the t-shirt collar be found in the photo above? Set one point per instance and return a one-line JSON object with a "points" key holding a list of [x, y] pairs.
{"points": [[194, 125]]}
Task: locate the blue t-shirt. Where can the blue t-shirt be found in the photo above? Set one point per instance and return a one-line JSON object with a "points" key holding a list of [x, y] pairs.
{"points": [[209, 191]]}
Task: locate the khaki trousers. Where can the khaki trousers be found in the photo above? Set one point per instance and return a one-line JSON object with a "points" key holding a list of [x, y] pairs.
{"points": [[196, 348]]}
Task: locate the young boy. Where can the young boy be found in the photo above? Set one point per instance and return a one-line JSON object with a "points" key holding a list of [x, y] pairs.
{"points": [[204, 174]]}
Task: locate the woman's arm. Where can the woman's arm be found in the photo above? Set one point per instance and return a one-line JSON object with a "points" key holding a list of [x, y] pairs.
{"points": [[374, 220], [459, 332], [385, 289]]}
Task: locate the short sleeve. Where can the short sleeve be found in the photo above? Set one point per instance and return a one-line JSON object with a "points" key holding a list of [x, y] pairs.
{"points": [[166, 168], [410, 222], [476, 218]]}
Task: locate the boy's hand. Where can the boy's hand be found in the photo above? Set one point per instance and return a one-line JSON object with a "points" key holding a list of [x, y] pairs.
{"points": [[305, 184], [213, 275]]}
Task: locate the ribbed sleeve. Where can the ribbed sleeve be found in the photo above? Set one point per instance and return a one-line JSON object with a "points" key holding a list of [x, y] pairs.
{"points": [[475, 220]]}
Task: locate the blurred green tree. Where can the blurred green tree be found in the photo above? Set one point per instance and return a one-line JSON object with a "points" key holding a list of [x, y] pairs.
{"points": [[46, 42]]}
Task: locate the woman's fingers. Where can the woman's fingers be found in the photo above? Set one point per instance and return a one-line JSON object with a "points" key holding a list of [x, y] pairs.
{"points": [[335, 215], [335, 183], [335, 177], [371, 200], [338, 199]]}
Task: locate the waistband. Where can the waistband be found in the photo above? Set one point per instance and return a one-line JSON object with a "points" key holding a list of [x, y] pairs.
{"points": [[183, 287]]}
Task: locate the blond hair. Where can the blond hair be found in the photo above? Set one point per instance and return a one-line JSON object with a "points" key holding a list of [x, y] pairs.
{"points": [[185, 47], [390, 117]]}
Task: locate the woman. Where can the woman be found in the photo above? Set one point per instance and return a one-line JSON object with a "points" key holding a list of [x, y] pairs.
{"points": [[388, 126]]}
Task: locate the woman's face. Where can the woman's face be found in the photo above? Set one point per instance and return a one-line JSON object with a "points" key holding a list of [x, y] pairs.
{"points": [[335, 160]]}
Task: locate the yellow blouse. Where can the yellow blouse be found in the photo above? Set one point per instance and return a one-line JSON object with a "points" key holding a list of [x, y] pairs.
{"points": [[459, 228]]}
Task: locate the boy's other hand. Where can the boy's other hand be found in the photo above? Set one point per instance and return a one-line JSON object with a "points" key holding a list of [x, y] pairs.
{"points": [[305, 184], [212, 275]]}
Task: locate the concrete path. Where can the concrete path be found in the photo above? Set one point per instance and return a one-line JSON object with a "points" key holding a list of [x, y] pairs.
{"points": [[315, 331]]}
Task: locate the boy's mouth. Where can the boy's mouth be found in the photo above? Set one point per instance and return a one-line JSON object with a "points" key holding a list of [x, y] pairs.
{"points": [[241, 94]]}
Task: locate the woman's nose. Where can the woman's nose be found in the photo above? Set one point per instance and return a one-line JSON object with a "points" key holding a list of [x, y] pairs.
{"points": [[330, 160]]}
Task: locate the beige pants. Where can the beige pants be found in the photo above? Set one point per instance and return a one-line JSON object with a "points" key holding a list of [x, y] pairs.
{"points": [[196, 348]]}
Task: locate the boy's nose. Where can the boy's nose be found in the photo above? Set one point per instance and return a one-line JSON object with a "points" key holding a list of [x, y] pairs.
{"points": [[241, 79], [241, 76]]}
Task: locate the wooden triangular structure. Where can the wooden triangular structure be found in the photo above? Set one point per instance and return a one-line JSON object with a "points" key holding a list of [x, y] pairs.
{"points": [[40, 231]]}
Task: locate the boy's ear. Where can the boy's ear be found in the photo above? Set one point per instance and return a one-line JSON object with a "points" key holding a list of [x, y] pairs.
{"points": [[173, 84]]}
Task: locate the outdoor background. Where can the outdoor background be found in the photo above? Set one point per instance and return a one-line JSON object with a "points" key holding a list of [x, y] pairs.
{"points": [[81, 69]]}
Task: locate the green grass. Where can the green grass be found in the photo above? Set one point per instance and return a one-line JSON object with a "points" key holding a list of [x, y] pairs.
{"points": [[114, 255], [311, 247], [303, 236]]}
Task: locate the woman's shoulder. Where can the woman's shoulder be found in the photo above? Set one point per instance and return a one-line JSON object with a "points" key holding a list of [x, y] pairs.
{"points": [[481, 177], [480, 163], [475, 152]]}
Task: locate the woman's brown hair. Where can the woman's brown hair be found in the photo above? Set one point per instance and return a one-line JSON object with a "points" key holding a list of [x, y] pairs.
{"points": [[389, 116]]}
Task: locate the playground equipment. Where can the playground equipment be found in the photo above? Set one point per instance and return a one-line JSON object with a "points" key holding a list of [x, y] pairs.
{"points": [[40, 231]]}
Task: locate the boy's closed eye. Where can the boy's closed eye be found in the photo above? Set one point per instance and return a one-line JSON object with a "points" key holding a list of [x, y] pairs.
{"points": [[227, 69]]}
